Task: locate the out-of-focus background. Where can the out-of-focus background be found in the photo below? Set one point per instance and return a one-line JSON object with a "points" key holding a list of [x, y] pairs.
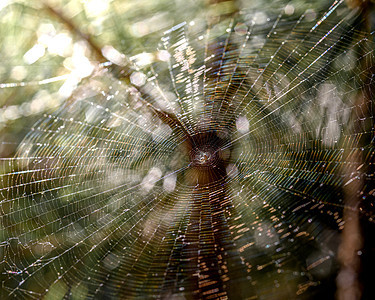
{"points": [[75, 140], [43, 58]]}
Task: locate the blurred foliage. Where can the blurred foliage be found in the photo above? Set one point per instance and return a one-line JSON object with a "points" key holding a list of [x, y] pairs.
{"points": [[54, 53], [38, 45]]}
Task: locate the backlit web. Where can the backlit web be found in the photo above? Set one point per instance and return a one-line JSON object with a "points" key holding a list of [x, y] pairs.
{"points": [[232, 158]]}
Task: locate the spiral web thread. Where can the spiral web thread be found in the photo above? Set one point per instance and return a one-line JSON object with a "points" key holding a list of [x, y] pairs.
{"points": [[103, 199]]}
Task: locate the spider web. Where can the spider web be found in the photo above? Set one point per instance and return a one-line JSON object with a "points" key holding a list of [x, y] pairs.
{"points": [[119, 192]]}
